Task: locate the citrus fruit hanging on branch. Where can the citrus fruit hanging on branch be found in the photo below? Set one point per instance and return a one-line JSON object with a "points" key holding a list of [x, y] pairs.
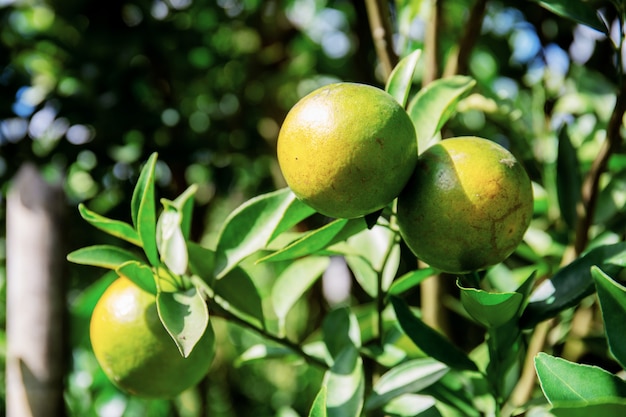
{"points": [[347, 149], [134, 349], [467, 205]]}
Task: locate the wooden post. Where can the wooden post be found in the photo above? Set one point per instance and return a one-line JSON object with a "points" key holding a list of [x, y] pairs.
{"points": [[35, 297]]}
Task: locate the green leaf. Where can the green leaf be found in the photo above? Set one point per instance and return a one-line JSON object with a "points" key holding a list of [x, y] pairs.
{"points": [[316, 240], [262, 352], [140, 273], [239, 292], [345, 384], [201, 261], [318, 409], [185, 316], [410, 280], [293, 282], [429, 340], [411, 405], [340, 330], [105, 256], [569, 285], [401, 78], [170, 239], [562, 380], [489, 308], [115, 228], [612, 296], [253, 224], [409, 377], [434, 104], [615, 408], [184, 205], [576, 10], [143, 210], [568, 180]]}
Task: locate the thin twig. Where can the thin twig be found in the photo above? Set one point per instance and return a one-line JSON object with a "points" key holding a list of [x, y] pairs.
{"points": [[591, 185], [468, 39], [431, 43], [382, 34]]}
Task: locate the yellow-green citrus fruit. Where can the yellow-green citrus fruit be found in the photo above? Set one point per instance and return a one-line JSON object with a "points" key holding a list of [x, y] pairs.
{"points": [[347, 149], [134, 349], [467, 205]]}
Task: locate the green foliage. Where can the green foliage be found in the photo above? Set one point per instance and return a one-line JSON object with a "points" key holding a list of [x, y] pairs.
{"points": [[206, 84]]}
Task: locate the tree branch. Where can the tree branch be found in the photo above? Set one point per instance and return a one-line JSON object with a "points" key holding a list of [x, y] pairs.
{"points": [[382, 34], [469, 38], [591, 185], [431, 43]]}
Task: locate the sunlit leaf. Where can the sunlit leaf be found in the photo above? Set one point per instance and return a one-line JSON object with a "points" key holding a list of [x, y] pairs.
{"points": [[410, 280], [141, 274], [562, 380], [318, 409], [185, 316], [311, 243], [262, 352], [434, 104], [340, 330], [408, 377], [401, 78], [105, 256], [411, 405], [612, 296], [201, 261], [253, 224], [293, 282], [184, 204], [429, 340], [345, 384], [143, 210], [115, 228], [603, 408], [171, 241], [489, 308]]}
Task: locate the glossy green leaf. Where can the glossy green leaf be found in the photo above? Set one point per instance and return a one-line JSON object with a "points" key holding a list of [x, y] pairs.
{"points": [[562, 380], [569, 285], [410, 280], [293, 282], [411, 405], [201, 261], [115, 228], [141, 274], [238, 290], [451, 390], [429, 340], [262, 352], [143, 210], [568, 179], [318, 409], [340, 330], [434, 104], [345, 384], [612, 296], [615, 408], [576, 10], [253, 224], [401, 78], [184, 204], [409, 377], [316, 240], [185, 316], [170, 239], [105, 256], [489, 308]]}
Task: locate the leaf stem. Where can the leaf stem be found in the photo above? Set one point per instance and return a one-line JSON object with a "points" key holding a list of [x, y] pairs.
{"points": [[233, 317]]}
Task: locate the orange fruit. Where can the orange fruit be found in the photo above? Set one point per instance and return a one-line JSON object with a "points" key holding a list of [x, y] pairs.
{"points": [[134, 349], [347, 149], [467, 205]]}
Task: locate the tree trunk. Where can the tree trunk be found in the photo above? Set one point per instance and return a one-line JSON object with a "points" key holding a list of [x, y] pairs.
{"points": [[35, 297]]}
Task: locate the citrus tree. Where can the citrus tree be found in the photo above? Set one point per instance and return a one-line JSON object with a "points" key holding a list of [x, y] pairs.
{"points": [[531, 243]]}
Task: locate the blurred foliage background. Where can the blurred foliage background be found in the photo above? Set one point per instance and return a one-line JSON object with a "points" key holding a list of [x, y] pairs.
{"points": [[88, 90]]}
